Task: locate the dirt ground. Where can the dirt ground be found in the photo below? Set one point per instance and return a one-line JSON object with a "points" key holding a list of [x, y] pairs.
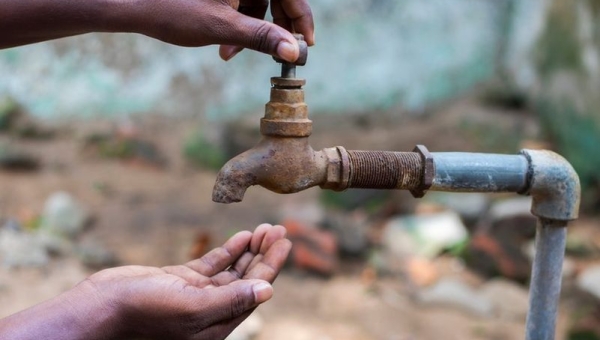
{"points": [[151, 217]]}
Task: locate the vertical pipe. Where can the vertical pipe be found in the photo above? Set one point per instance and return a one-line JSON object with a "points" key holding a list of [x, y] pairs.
{"points": [[546, 279]]}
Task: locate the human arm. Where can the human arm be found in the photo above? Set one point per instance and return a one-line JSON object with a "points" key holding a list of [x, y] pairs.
{"points": [[235, 24], [203, 299]]}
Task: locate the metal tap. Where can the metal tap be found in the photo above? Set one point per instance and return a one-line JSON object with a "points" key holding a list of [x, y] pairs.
{"points": [[284, 162]]}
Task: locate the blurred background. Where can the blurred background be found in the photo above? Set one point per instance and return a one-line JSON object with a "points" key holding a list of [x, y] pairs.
{"points": [[110, 144]]}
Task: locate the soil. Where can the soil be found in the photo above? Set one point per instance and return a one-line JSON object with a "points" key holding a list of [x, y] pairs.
{"points": [[152, 216]]}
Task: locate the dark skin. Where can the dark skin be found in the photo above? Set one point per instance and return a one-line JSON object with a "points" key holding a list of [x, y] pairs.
{"points": [[205, 298], [202, 299], [233, 24]]}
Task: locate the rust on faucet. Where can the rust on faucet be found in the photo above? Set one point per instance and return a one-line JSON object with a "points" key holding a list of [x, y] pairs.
{"points": [[284, 162]]}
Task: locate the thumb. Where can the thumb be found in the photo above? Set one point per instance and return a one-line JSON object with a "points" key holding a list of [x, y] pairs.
{"points": [[229, 301], [262, 36]]}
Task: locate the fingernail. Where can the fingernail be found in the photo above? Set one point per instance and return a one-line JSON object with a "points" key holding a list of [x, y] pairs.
{"points": [[230, 54], [228, 51], [287, 51], [262, 292]]}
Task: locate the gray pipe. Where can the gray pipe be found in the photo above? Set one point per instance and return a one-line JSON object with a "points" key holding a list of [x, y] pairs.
{"points": [[556, 194], [546, 275], [478, 172]]}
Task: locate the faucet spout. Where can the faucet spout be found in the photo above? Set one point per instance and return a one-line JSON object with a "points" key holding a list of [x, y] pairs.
{"points": [[233, 180], [282, 165], [283, 161]]}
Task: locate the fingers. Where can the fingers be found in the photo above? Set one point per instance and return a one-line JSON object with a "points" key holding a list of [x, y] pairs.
{"points": [[226, 52], [267, 267], [230, 301], [266, 255], [220, 258], [258, 236], [236, 272], [189, 275], [296, 16], [264, 236], [251, 31], [248, 32], [276, 233], [252, 8]]}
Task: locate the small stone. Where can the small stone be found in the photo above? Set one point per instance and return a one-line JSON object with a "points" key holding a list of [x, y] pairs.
{"points": [[300, 329], [569, 268], [63, 215], [291, 329], [586, 324], [421, 272], [451, 292], [510, 221], [510, 208], [510, 300], [342, 298], [14, 160], [95, 256], [201, 245], [314, 250], [589, 281], [351, 232], [21, 249], [580, 246], [306, 213], [469, 206], [493, 256], [424, 235], [55, 244]]}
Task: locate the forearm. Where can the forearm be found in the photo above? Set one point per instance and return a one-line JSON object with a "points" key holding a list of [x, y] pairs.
{"points": [[73, 315], [24, 22]]}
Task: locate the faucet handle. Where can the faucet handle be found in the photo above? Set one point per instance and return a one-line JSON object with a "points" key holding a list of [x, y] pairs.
{"points": [[301, 61]]}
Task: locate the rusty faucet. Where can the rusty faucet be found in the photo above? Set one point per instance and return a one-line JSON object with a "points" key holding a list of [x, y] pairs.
{"points": [[284, 162]]}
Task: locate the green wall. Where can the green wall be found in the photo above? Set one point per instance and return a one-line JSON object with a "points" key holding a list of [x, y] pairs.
{"points": [[370, 54]]}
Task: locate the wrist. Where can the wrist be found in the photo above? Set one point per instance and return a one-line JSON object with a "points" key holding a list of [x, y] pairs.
{"points": [[120, 16], [96, 313], [79, 313]]}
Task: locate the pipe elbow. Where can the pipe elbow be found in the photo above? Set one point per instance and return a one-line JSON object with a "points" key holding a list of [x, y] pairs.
{"points": [[554, 186]]}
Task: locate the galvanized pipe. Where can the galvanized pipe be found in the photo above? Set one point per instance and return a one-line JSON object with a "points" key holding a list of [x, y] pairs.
{"points": [[284, 162], [544, 291], [384, 170], [478, 172]]}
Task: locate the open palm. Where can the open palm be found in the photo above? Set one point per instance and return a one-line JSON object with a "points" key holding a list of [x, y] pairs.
{"points": [[202, 299]]}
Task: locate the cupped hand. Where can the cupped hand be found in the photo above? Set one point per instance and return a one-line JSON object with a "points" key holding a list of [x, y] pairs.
{"points": [[202, 299]]}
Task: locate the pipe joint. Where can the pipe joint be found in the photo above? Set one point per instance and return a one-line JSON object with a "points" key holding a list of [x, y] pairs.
{"points": [[337, 169], [553, 185]]}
